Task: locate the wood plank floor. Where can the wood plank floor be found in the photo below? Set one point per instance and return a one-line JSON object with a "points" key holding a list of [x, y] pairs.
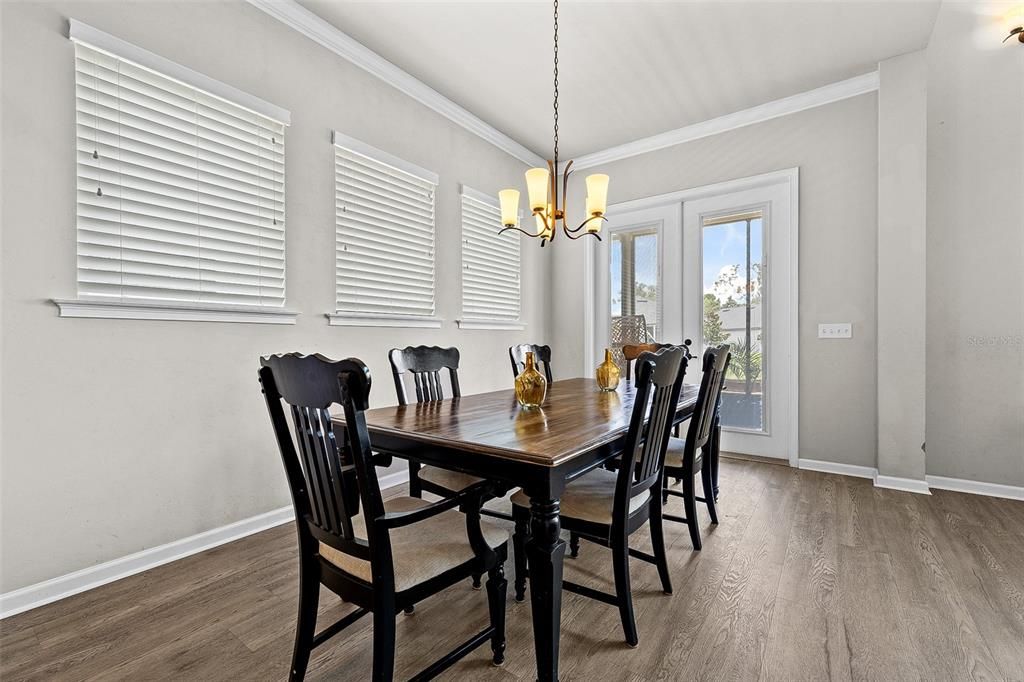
{"points": [[809, 576]]}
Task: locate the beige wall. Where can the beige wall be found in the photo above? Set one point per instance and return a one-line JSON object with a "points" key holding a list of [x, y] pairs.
{"points": [[836, 148], [122, 435], [975, 354]]}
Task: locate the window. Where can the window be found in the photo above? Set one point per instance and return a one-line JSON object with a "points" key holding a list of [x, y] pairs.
{"points": [[180, 189], [490, 266], [385, 238], [635, 282]]}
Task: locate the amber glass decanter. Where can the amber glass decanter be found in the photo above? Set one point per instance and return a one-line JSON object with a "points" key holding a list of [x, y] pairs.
{"points": [[608, 372], [531, 386]]}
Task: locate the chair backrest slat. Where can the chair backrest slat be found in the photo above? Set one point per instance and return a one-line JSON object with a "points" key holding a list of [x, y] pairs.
{"points": [[321, 482], [659, 380], [541, 355], [424, 364]]}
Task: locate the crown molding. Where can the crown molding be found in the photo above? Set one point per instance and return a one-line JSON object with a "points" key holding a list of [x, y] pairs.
{"points": [[296, 16], [851, 87]]}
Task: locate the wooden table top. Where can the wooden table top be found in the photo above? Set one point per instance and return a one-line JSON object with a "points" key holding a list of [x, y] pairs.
{"points": [[576, 417]]}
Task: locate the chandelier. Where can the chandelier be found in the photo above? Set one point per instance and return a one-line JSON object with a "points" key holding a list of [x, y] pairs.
{"points": [[547, 206]]}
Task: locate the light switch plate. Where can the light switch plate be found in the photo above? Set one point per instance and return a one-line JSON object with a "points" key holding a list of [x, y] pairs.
{"points": [[835, 330]]}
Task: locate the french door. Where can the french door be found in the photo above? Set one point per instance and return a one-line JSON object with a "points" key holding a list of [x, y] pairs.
{"points": [[716, 265]]}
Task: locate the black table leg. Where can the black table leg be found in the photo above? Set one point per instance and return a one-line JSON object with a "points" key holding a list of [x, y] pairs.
{"points": [[546, 552]]}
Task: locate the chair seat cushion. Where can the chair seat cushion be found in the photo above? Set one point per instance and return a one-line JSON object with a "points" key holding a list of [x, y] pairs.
{"points": [[455, 481], [674, 455], [421, 550], [589, 498]]}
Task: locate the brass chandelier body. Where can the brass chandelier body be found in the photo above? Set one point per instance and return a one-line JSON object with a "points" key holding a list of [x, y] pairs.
{"points": [[546, 204]]}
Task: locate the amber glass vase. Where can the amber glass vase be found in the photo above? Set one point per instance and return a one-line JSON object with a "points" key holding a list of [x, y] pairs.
{"points": [[531, 385], [608, 372]]}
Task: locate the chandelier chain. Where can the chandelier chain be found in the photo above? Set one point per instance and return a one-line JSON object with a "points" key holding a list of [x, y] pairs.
{"points": [[556, 86]]}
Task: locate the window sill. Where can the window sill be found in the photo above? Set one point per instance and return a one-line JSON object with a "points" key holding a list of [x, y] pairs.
{"points": [[357, 320], [491, 324], [116, 310]]}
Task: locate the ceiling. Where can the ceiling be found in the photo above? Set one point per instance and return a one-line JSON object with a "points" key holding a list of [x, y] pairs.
{"points": [[628, 70]]}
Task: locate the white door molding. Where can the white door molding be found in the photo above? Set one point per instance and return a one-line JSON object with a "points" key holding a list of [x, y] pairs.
{"points": [[596, 274]]}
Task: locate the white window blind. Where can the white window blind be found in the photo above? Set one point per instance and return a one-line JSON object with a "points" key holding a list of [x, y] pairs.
{"points": [[385, 233], [180, 191], [490, 262]]}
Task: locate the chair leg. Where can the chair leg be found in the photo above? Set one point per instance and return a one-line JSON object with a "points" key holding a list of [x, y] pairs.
{"points": [[415, 489], [522, 532], [476, 581], [496, 596], [709, 493], [305, 628], [690, 507], [383, 642], [716, 450], [574, 545], [623, 591], [658, 544]]}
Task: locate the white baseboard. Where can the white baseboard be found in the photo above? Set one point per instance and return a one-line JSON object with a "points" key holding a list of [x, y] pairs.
{"points": [[55, 589], [70, 584], [963, 485], [396, 478], [909, 485], [838, 468]]}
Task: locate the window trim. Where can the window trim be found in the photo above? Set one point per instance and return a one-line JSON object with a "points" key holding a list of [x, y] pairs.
{"points": [[115, 310], [351, 319], [472, 323], [469, 322]]}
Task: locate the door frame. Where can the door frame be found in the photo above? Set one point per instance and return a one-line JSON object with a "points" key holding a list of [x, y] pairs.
{"points": [[789, 177]]}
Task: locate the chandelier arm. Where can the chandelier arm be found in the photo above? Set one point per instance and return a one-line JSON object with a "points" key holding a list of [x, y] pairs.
{"points": [[574, 237], [516, 227], [584, 223]]}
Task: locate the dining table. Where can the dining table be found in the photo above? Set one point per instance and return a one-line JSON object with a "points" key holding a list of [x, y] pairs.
{"points": [[542, 449]]}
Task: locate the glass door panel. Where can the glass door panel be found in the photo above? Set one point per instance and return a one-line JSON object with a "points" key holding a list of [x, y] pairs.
{"points": [[634, 285], [733, 263]]}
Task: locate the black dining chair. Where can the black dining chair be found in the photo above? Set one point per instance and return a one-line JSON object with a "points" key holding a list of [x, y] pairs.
{"points": [[541, 355], [425, 367], [697, 452], [606, 507], [380, 556], [630, 352]]}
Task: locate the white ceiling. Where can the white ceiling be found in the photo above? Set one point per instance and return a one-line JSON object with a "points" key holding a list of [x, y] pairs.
{"points": [[628, 69]]}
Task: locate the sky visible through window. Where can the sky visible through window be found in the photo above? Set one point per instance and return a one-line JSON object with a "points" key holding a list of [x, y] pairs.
{"points": [[725, 246]]}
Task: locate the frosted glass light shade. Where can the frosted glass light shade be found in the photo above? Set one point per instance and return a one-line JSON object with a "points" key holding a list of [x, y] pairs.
{"points": [[537, 187], [1014, 18], [509, 200], [597, 194], [593, 219]]}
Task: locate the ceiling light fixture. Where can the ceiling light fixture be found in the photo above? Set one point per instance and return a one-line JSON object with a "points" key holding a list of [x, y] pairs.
{"points": [[547, 206], [1015, 22]]}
